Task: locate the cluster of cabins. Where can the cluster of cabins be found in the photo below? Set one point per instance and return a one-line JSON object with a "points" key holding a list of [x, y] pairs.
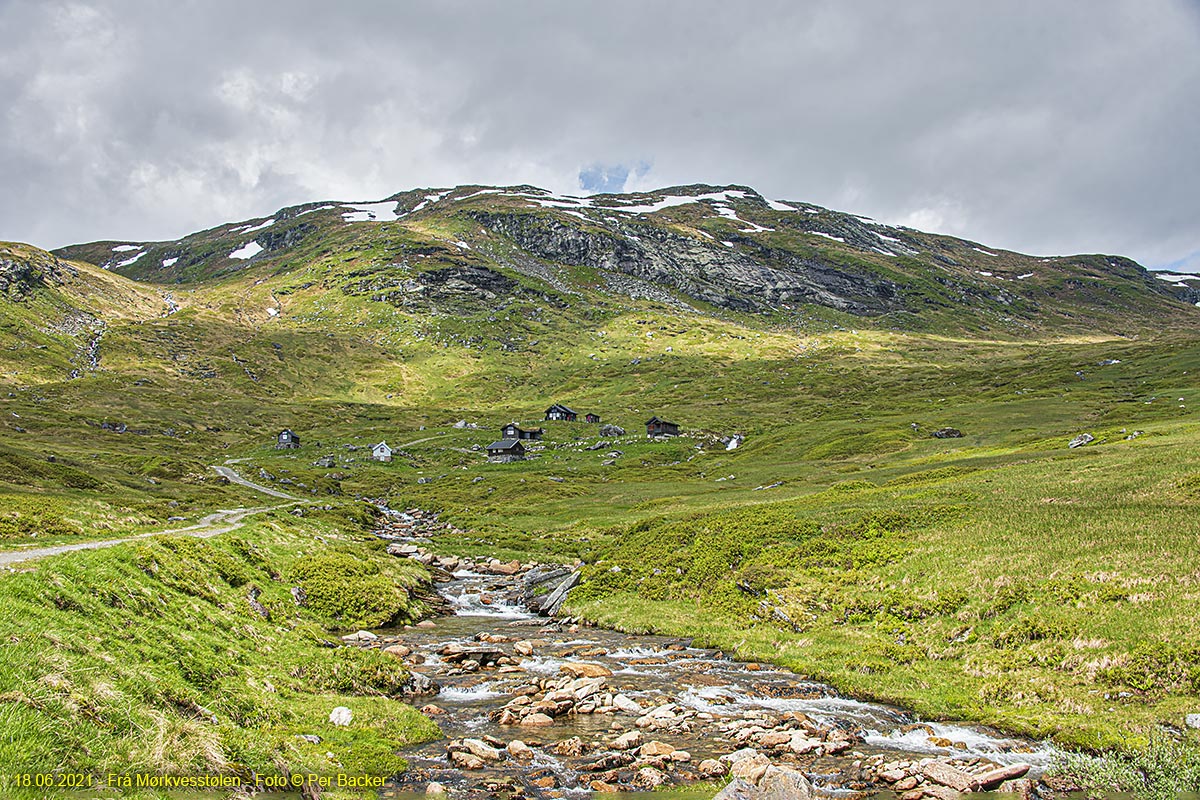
{"points": [[288, 440], [510, 447]]}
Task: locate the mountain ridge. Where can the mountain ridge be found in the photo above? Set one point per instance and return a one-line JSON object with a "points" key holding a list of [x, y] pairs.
{"points": [[723, 248]]}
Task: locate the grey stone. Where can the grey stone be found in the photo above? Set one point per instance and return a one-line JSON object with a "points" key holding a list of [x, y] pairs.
{"points": [[738, 789], [1081, 440], [554, 601], [419, 685], [781, 783]]}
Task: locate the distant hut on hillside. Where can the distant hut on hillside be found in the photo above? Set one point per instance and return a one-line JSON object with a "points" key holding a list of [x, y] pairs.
{"points": [[559, 412], [505, 450], [594, 419], [381, 452], [514, 431], [660, 427], [287, 440]]}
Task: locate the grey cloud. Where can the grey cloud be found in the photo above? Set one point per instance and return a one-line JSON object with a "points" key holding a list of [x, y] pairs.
{"points": [[1046, 127]]}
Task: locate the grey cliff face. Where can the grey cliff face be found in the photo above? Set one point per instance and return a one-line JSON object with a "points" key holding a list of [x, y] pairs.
{"points": [[747, 277]]}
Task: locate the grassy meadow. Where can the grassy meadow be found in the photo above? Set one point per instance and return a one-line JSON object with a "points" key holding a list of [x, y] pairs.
{"points": [[1000, 577]]}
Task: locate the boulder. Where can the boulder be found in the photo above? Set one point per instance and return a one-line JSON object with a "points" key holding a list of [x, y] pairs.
{"points": [[947, 433], [341, 716], [738, 755], [481, 749], [1023, 788], [752, 768], [649, 778], [625, 703], [947, 775], [655, 748], [583, 669], [554, 601], [782, 783], [519, 750], [711, 768], [738, 789], [1192, 720], [993, 778], [1081, 440], [419, 685], [611, 430], [936, 792], [536, 720], [800, 744], [627, 741]]}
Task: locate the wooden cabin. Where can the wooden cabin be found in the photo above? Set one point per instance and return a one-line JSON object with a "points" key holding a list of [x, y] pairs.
{"points": [[505, 450], [381, 452], [594, 419], [514, 431], [660, 427], [559, 412], [287, 440]]}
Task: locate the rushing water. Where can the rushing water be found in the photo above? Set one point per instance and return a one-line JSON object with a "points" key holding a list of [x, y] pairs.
{"points": [[653, 670]]}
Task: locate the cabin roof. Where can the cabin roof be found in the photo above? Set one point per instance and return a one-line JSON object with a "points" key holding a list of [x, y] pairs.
{"points": [[504, 444], [560, 407]]}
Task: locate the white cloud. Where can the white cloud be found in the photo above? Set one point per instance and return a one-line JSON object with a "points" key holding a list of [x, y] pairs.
{"points": [[1045, 127]]}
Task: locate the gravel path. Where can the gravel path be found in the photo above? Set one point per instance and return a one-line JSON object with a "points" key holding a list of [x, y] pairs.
{"points": [[227, 472], [214, 524]]}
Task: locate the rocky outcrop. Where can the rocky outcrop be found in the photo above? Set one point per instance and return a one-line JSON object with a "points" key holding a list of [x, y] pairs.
{"points": [[279, 238], [21, 274], [753, 277], [17, 277]]}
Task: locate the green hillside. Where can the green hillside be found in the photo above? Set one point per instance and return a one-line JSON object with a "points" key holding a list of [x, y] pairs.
{"points": [[998, 576]]}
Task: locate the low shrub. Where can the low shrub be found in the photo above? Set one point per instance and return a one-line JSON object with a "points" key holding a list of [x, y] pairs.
{"points": [[349, 592]]}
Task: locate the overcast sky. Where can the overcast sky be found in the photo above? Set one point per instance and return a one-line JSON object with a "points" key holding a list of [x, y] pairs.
{"points": [[1037, 125]]}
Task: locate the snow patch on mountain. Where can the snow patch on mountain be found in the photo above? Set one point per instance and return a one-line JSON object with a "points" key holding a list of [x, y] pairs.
{"points": [[428, 200], [247, 251], [384, 211], [252, 228]]}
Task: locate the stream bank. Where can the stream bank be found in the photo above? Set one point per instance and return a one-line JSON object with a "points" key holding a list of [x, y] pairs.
{"points": [[539, 706]]}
